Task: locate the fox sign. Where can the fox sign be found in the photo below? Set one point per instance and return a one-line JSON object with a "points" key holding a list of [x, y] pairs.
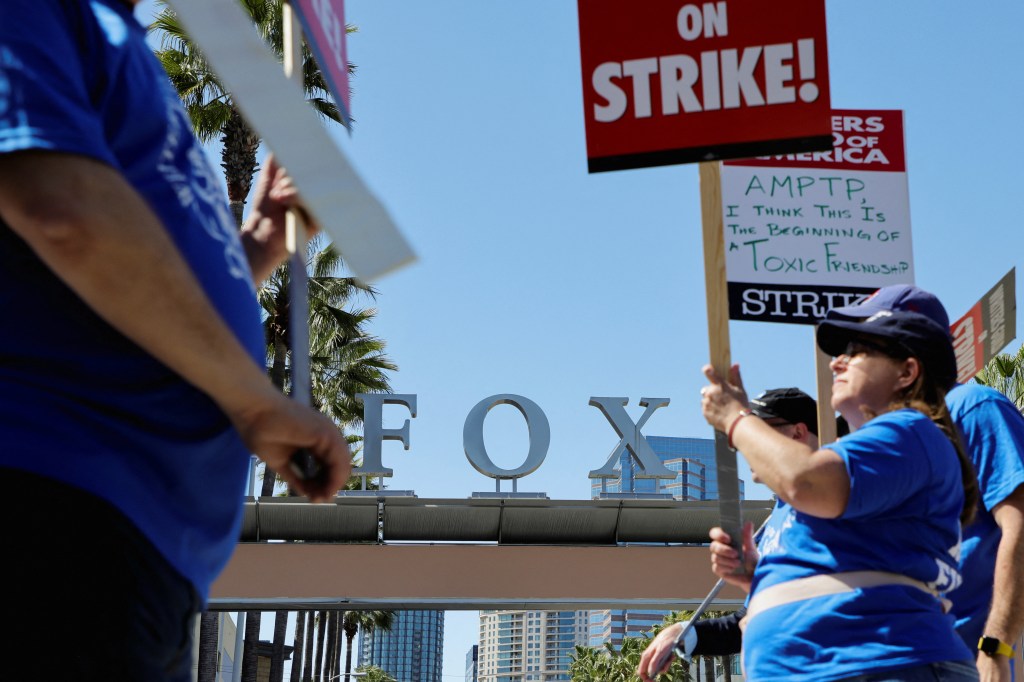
{"points": [[670, 81]]}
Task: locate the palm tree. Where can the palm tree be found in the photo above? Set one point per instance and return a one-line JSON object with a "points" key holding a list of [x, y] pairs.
{"points": [[277, 652], [307, 665], [321, 628], [344, 358], [208, 102], [297, 647], [367, 621], [372, 673], [333, 640], [605, 664], [208, 635], [1005, 373]]}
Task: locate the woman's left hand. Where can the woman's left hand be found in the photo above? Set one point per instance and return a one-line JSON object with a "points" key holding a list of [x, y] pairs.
{"points": [[721, 400]]}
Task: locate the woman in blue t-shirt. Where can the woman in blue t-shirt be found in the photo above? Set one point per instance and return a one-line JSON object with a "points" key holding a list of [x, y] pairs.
{"points": [[865, 538]]}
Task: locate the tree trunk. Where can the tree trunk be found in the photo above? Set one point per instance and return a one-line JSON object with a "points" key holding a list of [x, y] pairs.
{"points": [[209, 626], [277, 377], [332, 645], [318, 674], [277, 652], [297, 658], [238, 158], [727, 667], [348, 656], [307, 666], [709, 669], [250, 660]]}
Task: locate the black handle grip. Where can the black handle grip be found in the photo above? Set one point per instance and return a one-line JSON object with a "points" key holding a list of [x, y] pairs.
{"points": [[306, 466]]}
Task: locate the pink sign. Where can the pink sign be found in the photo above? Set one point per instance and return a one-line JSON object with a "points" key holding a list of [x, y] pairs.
{"points": [[324, 24]]}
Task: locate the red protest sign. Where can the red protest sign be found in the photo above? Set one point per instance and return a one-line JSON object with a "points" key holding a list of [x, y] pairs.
{"points": [[863, 140], [323, 22], [986, 328], [672, 82]]}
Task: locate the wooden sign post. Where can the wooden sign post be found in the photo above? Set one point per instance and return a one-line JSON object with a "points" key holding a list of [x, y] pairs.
{"points": [[667, 83], [716, 293]]}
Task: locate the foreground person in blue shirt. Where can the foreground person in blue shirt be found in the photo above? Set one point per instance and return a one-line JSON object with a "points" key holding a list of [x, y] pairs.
{"points": [[132, 385], [989, 605], [865, 538]]}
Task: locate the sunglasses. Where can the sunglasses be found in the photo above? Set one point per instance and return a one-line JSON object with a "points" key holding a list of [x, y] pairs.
{"points": [[869, 345]]}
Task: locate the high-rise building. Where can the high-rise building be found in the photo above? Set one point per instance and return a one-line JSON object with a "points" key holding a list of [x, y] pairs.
{"points": [[471, 663], [411, 650], [612, 625], [693, 460], [529, 646]]}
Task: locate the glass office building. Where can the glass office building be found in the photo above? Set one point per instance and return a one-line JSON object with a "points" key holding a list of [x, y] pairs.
{"points": [[692, 460], [471, 663], [529, 646], [411, 650]]}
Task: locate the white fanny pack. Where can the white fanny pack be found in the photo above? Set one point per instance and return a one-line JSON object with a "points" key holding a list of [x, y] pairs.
{"points": [[828, 584]]}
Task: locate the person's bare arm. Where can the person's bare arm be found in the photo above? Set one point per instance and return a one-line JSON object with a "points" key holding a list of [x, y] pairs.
{"points": [[91, 228], [814, 482], [1006, 616]]}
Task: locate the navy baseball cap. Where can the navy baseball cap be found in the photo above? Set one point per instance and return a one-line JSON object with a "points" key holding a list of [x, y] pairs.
{"points": [[897, 297], [901, 332]]}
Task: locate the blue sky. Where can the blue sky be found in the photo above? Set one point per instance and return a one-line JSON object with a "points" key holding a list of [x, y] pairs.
{"points": [[538, 279]]}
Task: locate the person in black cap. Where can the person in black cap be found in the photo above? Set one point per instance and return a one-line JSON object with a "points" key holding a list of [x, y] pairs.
{"points": [[794, 414], [864, 540]]}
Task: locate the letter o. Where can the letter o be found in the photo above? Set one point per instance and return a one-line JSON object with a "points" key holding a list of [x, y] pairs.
{"points": [[773, 260], [857, 141], [689, 22], [473, 436]]}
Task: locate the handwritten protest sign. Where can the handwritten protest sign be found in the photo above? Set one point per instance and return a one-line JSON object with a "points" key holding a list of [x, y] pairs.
{"points": [[811, 231], [986, 328]]}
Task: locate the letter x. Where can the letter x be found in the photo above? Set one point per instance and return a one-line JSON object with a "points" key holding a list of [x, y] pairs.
{"points": [[631, 438]]}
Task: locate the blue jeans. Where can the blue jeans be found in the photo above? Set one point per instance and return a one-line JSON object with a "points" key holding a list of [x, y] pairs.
{"points": [[945, 671]]}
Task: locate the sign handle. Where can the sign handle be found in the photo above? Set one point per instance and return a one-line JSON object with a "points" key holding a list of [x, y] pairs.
{"points": [[302, 462], [827, 428], [716, 289], [295, 237]]}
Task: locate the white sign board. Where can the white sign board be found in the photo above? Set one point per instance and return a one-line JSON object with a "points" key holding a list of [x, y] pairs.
{"points": [[333, 192], [808, 232]]}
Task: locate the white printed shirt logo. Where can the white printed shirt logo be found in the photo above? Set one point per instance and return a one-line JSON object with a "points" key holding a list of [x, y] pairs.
{"points": [[771, 542], [949, 577], [199, 190], [15, 131]]}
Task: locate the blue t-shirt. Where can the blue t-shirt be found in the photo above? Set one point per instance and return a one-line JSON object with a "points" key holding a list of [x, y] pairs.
{"points": [[902, 517], [78, 401], [993, 435]]}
